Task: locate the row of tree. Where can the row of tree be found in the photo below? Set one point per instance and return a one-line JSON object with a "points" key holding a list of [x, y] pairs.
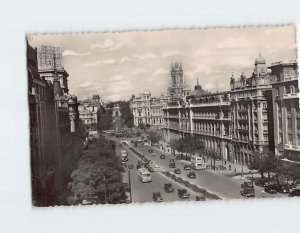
{"points": [[98, 176]]}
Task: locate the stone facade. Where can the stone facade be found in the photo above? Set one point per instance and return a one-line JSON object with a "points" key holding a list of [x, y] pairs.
{"points": [[286, 113]]}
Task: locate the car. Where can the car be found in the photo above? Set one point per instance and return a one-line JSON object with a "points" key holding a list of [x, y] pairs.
{"points": [[132, 141], [150, 151], [191, 175], [200, 198], [168, 188], [283, 188], [124, 164], [177, 171], [139, 140], [183, 194], [172, 165], [271, 189], [187, 167], [150, 169], [248, 191], [261, 182], [162, 156], [130, 166], [295, 193], [157, 197], [153, 154], [247, 184]]}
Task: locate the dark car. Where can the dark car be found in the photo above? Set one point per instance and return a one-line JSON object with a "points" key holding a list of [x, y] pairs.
{"points": [[132, 141], [168, 188], [157, 197], [271, 189], [191, 175], [248, 191], [150, 169], [124, 164], [150, 151], [162, 156], [283, 188], [130, 166], [247, 184], [187, 167], [200, 198], [182, 193], [172, 165], [295, 193], [177, 171], [261, 182]]}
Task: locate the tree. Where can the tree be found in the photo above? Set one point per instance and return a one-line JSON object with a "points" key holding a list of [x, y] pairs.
{"points": [[187, 144], [105, 121], [154, 136]]}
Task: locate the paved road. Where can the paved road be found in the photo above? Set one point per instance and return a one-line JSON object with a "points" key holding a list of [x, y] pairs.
{"points": [[142, 192], [224, 187]]}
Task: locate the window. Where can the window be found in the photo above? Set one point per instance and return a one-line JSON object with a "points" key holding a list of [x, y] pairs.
{"points": [[292, 89]]}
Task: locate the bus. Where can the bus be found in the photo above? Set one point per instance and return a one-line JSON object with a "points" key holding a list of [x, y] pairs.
{"points": [[144, 175], [197, 162], [124, 156]]}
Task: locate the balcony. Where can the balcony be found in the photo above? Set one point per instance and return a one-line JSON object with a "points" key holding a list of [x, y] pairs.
{"points": [[243, 110], [291, 96], [291, 147]]}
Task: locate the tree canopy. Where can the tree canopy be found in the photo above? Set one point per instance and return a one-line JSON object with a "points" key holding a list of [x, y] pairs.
{"points": [[187, 144], [154, 136], [126, 114], [98, 174]]}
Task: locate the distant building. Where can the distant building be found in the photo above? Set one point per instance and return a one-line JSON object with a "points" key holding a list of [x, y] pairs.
{"points": [[286, 113], [89, 110]]}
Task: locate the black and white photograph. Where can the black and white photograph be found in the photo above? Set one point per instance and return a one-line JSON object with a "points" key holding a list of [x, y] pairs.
{"points": [[163, 116]]}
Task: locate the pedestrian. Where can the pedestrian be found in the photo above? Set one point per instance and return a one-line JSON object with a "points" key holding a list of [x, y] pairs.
{"points": [[225, 162], [263, 193]]}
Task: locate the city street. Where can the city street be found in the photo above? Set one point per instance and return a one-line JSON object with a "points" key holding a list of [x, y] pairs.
{"points": [[142, 192], [224, 187]]}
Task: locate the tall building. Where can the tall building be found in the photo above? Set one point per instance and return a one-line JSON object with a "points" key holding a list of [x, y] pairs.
{"points": [[177, 87], [249, 112], [47, 65], [286, 113]]}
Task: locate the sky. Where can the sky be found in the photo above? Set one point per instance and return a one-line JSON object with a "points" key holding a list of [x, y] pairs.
{"points": [[116, 65]]}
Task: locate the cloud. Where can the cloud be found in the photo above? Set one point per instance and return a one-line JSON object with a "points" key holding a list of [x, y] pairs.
{"points": [[160, 71], [235, 43], [144, 56], [237, 61], [170, 53], [201, 52], [138, 71], [93, 63], [125, 59], [118, 77], [69, 52], [85, 84], [107, 43], [109, 61]]}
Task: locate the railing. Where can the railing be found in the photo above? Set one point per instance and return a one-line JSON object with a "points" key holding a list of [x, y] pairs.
{"points": [[291, 96], [292, 147]]}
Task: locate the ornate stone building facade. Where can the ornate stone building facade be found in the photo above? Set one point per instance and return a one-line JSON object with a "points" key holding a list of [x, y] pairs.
{"points": [[249, 113], [286, 113]]}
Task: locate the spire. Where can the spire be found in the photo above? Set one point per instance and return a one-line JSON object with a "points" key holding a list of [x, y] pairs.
{"points": [[56, 84], [197, 82]]}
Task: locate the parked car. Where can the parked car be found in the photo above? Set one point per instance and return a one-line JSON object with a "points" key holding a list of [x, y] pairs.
{"points": [[157, 197], [177, 171], [247, 184], [124, 164], [200, 198], [295, 193], [271, 189], [182, 193], [162, 156], [187, 167], [168, 188], [172, 165], [191, 175], [139, 140], [150, 169], [150, 150], [130, 166], [248, 191], [261, 182], [283, 188], [132, 141], [153, 154]]}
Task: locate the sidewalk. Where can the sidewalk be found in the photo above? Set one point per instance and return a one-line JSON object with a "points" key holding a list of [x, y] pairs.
{"points": [[236, 170]]}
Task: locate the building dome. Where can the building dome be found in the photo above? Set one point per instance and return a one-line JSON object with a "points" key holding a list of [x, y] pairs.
{"points": [[260, 60]]}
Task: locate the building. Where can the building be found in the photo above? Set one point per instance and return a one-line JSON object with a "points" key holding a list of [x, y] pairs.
{"points": [[286, 113], [89, 111], [54, 143], [177, 87], [249, 113], [146, 110], [46, 65]]}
